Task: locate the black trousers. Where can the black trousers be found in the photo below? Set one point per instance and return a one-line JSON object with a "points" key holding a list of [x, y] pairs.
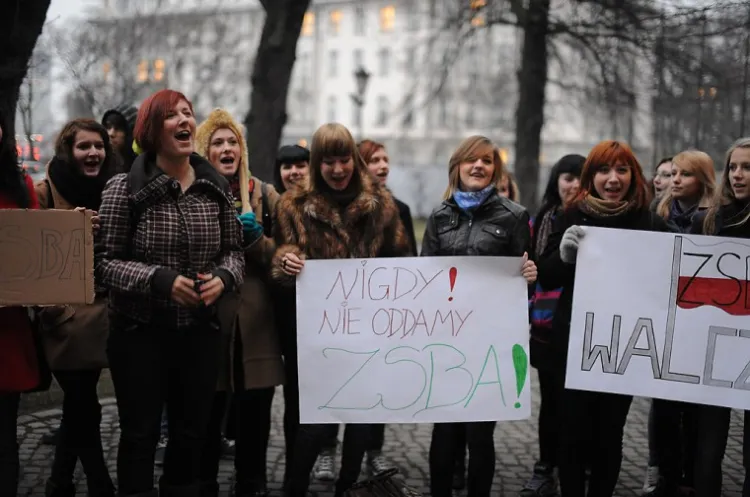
{"points": [[152, 366], [713, 430], [377, 437], [310, 439], [443, 448], [551, 387], [80, 434], [253, 430], [672, 438], [9, 465], [286, 324], [594, 426]]}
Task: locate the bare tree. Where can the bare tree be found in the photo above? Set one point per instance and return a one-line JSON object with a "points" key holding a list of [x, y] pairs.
{"points": [[21, 23], [271, 75], [126, 57]]}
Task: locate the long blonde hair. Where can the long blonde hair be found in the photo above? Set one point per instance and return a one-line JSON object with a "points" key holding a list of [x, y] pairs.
{"points": [[472, 147], [702, 166], [724, 194], [335, 140]]}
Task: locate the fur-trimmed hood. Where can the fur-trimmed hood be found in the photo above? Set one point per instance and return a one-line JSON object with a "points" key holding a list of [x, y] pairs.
{"points": [[218, 119]]}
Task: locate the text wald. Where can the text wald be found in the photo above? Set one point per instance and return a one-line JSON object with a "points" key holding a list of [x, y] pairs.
{"points": [[728, 293]]}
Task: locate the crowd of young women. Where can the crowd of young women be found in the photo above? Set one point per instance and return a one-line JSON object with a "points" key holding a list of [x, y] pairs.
{"points": [[196, 261]]}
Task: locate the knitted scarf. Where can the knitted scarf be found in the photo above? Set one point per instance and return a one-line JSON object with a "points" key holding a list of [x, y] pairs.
{"points": [[599, 208], [543, 229]]}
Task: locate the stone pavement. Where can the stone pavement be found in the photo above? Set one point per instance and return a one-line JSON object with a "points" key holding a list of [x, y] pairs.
{"points": [[406, 445]]}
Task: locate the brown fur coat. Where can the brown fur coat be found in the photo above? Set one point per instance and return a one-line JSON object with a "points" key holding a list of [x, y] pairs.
{"points": [[311, 226]]}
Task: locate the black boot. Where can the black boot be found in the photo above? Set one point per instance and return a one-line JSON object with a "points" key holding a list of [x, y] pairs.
{"points": [[104, 488], [52, 489], [167, 490], [209, 489]]}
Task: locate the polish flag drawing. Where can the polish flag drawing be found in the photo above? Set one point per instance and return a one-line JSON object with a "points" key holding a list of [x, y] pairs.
{"points": [[713, 275]]}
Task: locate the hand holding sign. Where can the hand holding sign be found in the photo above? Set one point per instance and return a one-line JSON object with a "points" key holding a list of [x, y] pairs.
{"points": [[95, 221], [528, 269]]}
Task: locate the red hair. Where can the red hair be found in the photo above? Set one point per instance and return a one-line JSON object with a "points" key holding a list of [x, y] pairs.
{"points": [[151, 116], [367, 149], [609, 153]]}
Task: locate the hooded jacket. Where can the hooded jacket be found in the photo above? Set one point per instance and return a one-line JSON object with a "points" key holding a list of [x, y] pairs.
{"points": [[126, 115]]}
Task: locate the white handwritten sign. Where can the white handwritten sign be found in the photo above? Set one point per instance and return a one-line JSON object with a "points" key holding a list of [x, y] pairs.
{"points": [[662, 315], [413, 340]]}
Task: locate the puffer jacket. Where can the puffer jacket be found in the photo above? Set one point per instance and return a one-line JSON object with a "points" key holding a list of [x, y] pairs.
{"points": [[498, 227]]}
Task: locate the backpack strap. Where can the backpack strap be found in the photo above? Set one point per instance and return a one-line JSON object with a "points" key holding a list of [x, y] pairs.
{"points": [[267, 218]]}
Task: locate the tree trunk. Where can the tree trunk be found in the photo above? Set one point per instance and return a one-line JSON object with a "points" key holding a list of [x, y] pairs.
{"points": [[21, 23], [270, 82], [532, 82]]}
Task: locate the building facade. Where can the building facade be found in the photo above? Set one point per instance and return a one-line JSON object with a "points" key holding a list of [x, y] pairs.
{"points": [[438, 72]]}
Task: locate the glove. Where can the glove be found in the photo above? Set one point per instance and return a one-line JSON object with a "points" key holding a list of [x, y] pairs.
{"points": [[569, 244], [251, 230]]}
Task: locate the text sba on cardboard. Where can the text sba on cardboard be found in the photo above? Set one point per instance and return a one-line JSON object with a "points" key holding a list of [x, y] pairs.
{"points": [[413, 340], [46, 257], [662, 315]]}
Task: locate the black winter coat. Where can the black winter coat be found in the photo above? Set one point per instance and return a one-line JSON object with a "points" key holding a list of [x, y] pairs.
{"points": [[498, 227], [554, 273]]}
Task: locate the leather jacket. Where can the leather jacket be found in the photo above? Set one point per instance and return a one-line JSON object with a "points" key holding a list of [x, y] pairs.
{"points": [[498, 227]]}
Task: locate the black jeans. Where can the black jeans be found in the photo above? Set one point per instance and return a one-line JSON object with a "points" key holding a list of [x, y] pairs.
{"points": [[551, 387], [713, 430], [443, 448], [80, 436], [310, 439], [288, 338], [377, 438], [152, 366], [9, 465], [594, 423], [253, 431], [672, 439], [211, 451]]}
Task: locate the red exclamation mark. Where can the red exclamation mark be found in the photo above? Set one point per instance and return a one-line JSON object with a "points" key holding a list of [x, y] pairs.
{"points": [[452, 276]]}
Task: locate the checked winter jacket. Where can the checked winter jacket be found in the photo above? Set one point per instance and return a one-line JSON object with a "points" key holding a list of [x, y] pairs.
{"points": [[151, 232]]}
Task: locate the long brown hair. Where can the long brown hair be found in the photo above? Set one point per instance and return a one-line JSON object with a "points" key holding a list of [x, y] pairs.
{"points": [[724, 194], [609, 153], [471, 147], [702, 166], [367, 149], [67, 137]]}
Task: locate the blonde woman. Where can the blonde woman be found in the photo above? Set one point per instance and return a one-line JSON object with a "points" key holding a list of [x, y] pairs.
{"points": [[342, 215], [252, 354], [672, 425], [467, 223], [729, 216]]}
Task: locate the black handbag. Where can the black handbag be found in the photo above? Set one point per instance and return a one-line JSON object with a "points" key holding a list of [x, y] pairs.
{"points": [[382, 485]]}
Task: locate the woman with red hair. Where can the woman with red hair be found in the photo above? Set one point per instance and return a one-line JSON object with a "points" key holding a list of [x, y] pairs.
{"points": [[613, 194], [169, 247]]}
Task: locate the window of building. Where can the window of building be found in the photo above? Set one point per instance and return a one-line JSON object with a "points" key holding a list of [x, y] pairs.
{"points": [[410, 59], [142, 71], [159, 67], [478, 20], [333, 63], [412, 16], [387, 18], [384, 62], [382, 110], [477, 4], [332, 109], [359, 20], [358, 59], [335, 21], [308, 23]]}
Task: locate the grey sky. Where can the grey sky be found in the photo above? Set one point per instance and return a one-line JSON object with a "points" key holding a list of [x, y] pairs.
{"points": [[62, 9]]}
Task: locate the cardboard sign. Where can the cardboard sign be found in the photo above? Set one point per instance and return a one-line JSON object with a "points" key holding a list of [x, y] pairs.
{"points": [[662, 315], [46, 257], [413, 340]]}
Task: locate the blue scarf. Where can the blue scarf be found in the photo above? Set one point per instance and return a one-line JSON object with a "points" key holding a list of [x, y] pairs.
{"points": [[468, 201]]}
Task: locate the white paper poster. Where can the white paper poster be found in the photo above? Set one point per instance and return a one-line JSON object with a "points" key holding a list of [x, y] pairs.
{"points": [[662, 315], [413, 340]]}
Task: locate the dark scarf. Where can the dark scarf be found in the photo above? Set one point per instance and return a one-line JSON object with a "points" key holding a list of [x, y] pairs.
{"points": [[543, 229], [683, 219], [598, 208], [75, 187], [342, 198]]}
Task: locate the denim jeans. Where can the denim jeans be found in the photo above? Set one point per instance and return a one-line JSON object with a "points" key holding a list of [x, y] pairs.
{"points": [[9, 465], [152, 366]]}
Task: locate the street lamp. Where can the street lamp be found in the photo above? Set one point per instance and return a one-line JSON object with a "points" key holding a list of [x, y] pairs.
{"points": [[361, 78]]}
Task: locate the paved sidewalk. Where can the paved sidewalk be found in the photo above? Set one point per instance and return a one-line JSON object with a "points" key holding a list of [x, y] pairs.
{"points": [[406, 445]]}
